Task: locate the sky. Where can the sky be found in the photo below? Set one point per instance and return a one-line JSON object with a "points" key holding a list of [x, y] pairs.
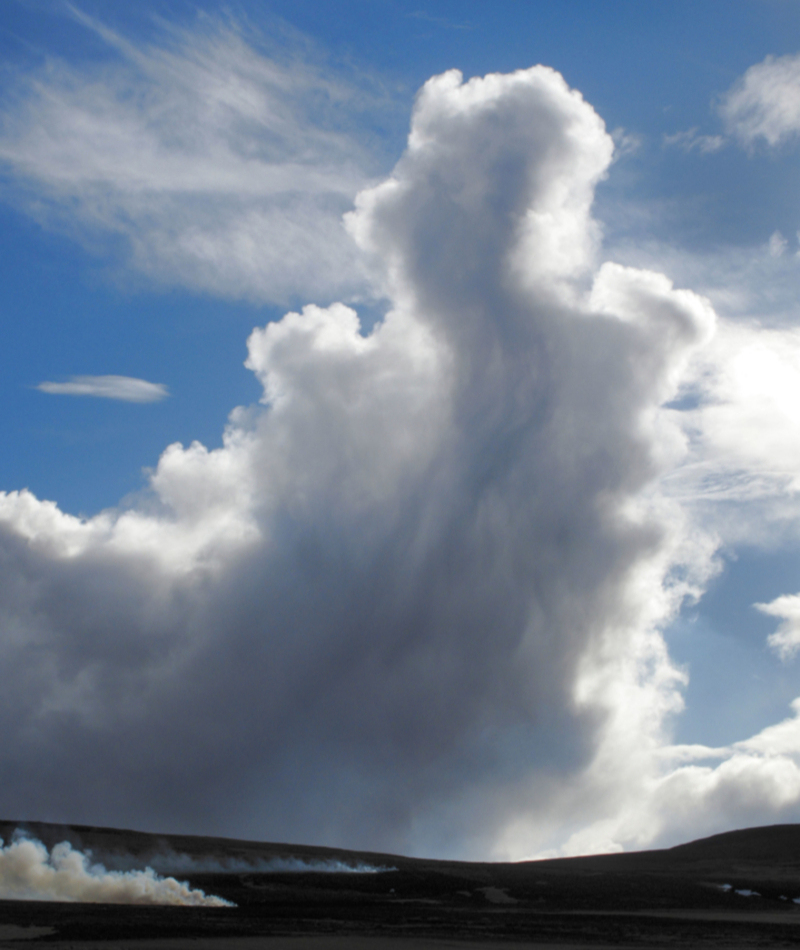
{"points": [[401, 431]]}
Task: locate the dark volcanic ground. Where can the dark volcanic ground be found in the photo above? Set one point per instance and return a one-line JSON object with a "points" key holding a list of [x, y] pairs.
{"points": [[644, 899]]}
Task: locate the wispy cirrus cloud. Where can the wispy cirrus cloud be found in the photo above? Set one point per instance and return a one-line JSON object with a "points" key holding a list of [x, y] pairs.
{"points": [[690, 140], [218, 160], [124, 388], [762, 104]]}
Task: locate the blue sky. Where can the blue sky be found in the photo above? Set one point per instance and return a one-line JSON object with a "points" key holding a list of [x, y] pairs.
{"points": [[652, 70], [174, 175]]}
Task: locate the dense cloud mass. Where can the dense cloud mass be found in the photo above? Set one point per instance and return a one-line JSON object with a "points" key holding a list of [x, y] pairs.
{"points": [[414, 601]]}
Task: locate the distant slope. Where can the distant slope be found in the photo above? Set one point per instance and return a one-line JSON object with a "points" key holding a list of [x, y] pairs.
{"points": [[734, 890], [770, 845], [113, 844], [771, 852]]}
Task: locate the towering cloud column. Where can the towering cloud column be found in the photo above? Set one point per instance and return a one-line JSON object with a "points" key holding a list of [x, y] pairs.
{"points": [[416, 594]]}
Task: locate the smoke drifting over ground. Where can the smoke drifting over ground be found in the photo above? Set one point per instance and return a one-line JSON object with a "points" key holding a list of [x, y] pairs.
{"points": [[168, 861], [414, 602], [186, 864], [29, 872]]}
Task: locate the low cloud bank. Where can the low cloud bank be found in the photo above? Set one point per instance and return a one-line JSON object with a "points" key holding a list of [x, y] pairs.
{"points": [[29, 872]]}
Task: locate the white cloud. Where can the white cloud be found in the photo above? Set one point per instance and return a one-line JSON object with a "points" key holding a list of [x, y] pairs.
{"points": [[211, 163], [125, 388], [765, 102], [689, 140], [429, 572], [643, 794], [746, 283], [786, 639], [777, 244], [414, 600], [625, 143], [687, 792], [743, 426]]}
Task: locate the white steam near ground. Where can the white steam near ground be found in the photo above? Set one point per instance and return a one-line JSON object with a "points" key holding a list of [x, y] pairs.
{"points": [[29, 872], [416, 600], [187, 864]]}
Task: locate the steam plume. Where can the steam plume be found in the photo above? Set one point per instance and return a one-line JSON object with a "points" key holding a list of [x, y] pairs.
{"points": [[29, 872], [178, 863]]}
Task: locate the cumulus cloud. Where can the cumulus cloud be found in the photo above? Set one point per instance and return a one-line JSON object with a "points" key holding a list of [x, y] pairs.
{"points": [[425, 578], [744, 432], [687, 792], [765, 102], [124, 388], [756, 283], [414, 601], [29, 872], [205, 158]]}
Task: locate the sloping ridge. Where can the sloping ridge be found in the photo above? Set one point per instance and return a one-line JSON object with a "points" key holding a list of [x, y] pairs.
{"points": [[772, 852], [769, 853], [106, 844], [772, 844]]}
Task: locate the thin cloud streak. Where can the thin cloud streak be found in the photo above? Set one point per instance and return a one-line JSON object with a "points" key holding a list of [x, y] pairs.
{"points": [[208, 163], [690, 140], [124, 388]]}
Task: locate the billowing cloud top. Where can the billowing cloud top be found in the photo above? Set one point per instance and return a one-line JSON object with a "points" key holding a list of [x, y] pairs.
{"points": [[413, 602], [125, 388]]}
